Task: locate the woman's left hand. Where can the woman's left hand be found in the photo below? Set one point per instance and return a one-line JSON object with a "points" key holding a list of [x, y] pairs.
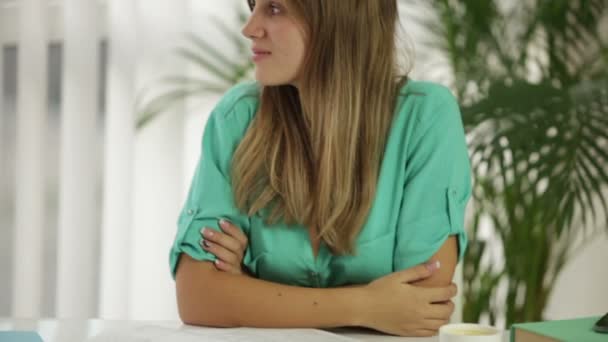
{"points": [[228, 246]]}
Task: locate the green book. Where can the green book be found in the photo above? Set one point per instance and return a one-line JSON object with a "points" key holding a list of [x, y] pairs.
{"points": [[19, 336], [570, 330]]}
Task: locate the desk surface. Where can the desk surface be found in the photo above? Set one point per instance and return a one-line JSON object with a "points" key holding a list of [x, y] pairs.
{"points": [[79, 330]]}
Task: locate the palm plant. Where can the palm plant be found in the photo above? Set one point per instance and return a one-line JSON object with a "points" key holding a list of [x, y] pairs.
{"points": [[533, 83]]}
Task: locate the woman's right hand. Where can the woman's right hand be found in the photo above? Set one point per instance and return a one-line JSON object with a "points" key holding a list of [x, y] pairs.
{"points": [[395, 306]]}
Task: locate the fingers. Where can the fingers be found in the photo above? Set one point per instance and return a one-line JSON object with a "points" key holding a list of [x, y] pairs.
{"points": [[435, 324], [441, 311], [223, 240], [227, 267], [441, 294], [419, 272], [422, 333], [228, 246], [235, 232], [222, 253]]}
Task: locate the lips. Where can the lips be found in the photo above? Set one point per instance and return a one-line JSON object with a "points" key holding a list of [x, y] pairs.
{"points": [[259, 54], [260, 51]]}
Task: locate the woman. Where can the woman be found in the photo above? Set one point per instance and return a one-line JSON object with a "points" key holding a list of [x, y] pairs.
{"points": [[342, 184]]}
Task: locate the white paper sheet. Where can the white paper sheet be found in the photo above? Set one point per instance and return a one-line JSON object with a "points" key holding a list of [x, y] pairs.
{"points": [[150, 333]]}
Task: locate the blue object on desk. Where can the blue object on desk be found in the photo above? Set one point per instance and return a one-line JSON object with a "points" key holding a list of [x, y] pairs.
{"points": [[20, 336]]}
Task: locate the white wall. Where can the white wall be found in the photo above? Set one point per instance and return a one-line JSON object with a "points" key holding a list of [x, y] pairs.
{"points": [[582, 288]]}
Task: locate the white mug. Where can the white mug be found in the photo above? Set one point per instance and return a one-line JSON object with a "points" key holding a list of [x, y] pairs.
{"points": [[469, 332]]}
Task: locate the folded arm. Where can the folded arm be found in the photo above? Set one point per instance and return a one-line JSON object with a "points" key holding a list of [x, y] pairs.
{"points": [[207, 296]]}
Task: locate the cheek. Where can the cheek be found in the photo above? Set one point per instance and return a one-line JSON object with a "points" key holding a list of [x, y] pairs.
{"points": [[300, 47], [296, 47], [291, 43]]}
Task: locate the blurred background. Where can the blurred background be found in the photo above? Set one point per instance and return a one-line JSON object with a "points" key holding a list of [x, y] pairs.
{"points": [[103, 103]]}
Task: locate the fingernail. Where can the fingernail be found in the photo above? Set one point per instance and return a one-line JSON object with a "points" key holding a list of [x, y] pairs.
{"points": [[205, 243], [207, 232], [223, 222], [433, 265]]}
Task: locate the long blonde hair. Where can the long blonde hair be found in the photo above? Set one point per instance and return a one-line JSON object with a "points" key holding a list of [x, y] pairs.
{"points": [[312, 155]]}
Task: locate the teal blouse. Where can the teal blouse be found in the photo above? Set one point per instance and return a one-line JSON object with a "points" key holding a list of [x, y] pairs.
{"points": [[423, 187]]}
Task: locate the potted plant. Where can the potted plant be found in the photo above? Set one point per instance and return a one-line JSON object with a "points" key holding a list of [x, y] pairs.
{"points": [[533, 83]]}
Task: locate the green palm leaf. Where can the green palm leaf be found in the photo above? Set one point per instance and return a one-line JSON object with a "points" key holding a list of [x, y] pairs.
{"points": [[538, 144]]}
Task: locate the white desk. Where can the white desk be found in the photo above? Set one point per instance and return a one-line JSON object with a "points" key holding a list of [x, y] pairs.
{"points": [[74, 330]]}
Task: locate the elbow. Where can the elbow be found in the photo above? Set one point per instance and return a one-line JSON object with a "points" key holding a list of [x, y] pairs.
{"points": [[194, 309], [199, 295], [203, 321], [188, 316], [197, 312]]}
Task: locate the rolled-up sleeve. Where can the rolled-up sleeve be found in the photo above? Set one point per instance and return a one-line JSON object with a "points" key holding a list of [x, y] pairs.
{"points": [[437, 184], [210, 196]]}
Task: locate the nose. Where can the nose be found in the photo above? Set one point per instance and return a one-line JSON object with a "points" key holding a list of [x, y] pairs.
{"points": [[253, 28]]}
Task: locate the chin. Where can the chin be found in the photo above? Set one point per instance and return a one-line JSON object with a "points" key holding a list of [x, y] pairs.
{"points": [[271, 81]]}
